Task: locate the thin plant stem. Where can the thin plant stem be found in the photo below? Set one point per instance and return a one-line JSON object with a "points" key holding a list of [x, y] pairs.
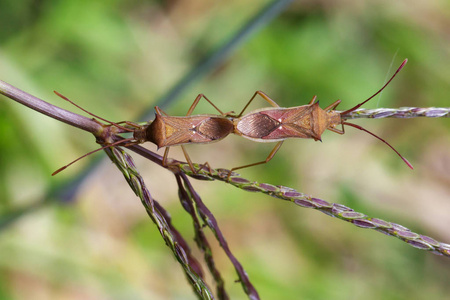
{"points": [[50, 110], [401, 113], [161, 219], [336, 210]]}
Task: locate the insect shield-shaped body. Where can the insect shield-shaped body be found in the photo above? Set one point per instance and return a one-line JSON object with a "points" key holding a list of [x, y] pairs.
{"points": [[167, 131], [277, 124]]}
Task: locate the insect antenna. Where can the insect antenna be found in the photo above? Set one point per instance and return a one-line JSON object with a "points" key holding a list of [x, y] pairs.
{"points": [[379, 91], [124, 141], [89, 153], [373, 134], [88, 112]]}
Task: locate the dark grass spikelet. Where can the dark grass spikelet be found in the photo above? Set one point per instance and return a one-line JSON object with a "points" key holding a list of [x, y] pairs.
{"points": [[160, 217], [336, 210], [401, 113]]}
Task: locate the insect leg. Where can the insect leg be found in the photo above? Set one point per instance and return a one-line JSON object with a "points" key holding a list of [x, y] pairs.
{"points": [[167, 164], [118, 143], [200, 96], [131, 124], [206, 165], [340, 131], [188, 159], [166, 153], [271, 155], [264, 96], [88, 112], [191, 165]]}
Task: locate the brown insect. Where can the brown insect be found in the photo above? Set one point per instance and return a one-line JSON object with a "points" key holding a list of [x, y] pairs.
{"points": [[306, 121], [167, 131], [262, 125]]}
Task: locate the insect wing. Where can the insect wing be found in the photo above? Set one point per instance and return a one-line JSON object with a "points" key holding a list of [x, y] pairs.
{"points": [[215, 128], [256, 125]]}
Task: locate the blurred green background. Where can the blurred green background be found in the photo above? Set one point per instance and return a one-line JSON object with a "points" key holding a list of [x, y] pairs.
{"points": [[116, 58]]}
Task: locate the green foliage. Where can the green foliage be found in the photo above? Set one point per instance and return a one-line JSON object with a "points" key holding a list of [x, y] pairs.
{"points": [[116, 58]]}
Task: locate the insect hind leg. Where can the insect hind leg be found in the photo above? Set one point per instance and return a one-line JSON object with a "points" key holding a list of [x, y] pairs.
{"points": [[269, 157], [197, 100]]}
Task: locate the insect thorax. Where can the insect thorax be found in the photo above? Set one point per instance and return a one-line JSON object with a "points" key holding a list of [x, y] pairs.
{"points": [[333, 119], [155, 132]]}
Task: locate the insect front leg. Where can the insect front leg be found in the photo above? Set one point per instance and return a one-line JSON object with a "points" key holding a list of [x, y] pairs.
{"points": [[132, 126], [166, 154], [271, 155], [188, 159], [166, 164], [339, 131]]}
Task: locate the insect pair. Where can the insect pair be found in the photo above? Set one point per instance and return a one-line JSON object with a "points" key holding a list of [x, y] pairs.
{"points": [[270, 124]]}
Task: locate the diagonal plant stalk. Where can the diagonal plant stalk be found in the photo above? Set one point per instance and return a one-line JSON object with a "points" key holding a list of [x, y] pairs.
{"points": [[209, 219], [202, 243], [160, 217], [336, 210], [193, 204]]}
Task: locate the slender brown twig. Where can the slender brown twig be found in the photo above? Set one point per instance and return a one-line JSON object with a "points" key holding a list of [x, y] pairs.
{"points": [[50, 110]]}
